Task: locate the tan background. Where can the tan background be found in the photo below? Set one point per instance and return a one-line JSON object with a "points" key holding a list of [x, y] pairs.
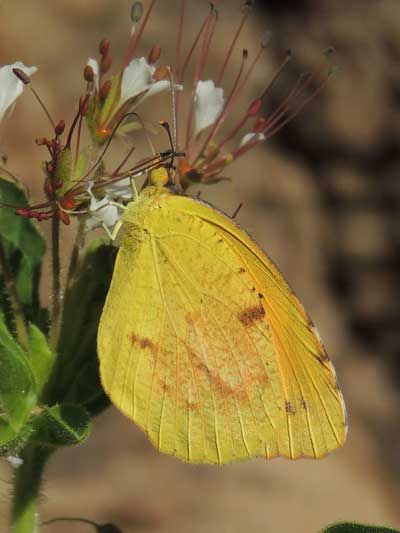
{"points": [[322, 198]]}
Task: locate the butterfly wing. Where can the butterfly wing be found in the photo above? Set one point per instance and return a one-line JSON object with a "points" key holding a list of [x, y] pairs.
{"points": [[204, 345]]}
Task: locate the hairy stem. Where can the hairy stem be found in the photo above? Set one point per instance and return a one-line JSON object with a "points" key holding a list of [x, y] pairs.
{"points": [[20, 326], [56, 273], [27, 482]]}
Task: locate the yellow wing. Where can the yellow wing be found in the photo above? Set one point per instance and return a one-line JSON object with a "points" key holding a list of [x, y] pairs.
{"points": [[204, 345]]}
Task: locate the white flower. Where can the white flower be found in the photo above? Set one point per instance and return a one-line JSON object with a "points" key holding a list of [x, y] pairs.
{"points": [[120, 190], [10, 86], [252, 137], [137, 80], [209, 104], [103, 213]]}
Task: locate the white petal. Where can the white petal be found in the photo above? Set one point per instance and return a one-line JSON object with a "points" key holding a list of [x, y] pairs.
{"points": [[209, 103], [159, 86], [120, 190], [136, 78], [252, 137], [96, 70], [10, 86], [102, 212]]}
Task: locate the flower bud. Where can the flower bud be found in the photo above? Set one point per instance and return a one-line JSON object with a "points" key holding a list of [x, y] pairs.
{"points": [[104, 47], [105, 64], [88, 73], [105, 89], [59, 129], [154, 54]]}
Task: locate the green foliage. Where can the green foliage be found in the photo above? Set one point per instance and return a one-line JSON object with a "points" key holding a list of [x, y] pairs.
{"points": [[350, 527], [76, 376], [17, 385], [40, 357], [11, 442], [61, 425], [24, 248]]}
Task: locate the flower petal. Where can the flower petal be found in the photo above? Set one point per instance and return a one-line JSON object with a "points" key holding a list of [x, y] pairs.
{"points": [[120, 190], [136, 79], [10, 86], [159, 86], [209, 104], [252, 137], [102, 212]]}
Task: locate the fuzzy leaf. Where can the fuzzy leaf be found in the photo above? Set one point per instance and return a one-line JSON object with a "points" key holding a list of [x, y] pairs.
{"points": [[17, 385], [61, 425], [76, 376], [24, 248], [12, 442], [350, 527], [40, 357]]}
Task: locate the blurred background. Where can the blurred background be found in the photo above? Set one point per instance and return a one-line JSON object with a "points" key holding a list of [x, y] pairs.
{"points": [[322, 198]]}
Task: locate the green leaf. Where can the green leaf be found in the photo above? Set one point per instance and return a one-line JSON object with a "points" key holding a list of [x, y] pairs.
{"points": [[61, 425], [76, 376], [350, 527], [24, 248], [12, 442], [40, 356], [17, 385]]}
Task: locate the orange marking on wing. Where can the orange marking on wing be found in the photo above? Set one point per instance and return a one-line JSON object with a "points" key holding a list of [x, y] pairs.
{"points": [[143, 342], [239, 392], [251, 315]]}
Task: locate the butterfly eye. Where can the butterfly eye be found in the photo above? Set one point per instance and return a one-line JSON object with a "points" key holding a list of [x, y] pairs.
{"points": [[159, 177]]}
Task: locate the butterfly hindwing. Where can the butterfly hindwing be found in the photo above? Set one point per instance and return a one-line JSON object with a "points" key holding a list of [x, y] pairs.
{"points": [[205, 347]]}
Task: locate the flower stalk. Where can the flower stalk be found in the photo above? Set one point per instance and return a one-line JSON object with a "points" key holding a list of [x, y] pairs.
{"points": [[27, 483]]}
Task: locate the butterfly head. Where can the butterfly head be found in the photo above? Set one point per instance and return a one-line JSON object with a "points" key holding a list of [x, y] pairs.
{"points": [[159, 177]]}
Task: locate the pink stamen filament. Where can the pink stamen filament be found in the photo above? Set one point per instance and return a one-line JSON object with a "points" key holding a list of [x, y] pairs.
{"points": [[231, 48], [178, 68]]}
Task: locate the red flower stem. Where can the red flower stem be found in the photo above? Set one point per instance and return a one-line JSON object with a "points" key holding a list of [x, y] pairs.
{"points": [[178, 68]]}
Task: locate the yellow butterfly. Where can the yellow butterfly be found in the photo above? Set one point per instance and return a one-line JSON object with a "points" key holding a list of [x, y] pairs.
{"points": [[203, 344]]}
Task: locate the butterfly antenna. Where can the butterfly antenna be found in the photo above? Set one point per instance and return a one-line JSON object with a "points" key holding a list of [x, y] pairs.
{"points": [[110, 139]]}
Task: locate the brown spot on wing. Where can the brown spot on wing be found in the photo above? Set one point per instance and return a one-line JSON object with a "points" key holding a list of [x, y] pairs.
{"points": [[250, 315], [303, 404], [143, 342], [290, 408]]}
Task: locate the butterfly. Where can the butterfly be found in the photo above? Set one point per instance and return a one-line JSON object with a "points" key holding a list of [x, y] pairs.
{"points": [[203, 344]]}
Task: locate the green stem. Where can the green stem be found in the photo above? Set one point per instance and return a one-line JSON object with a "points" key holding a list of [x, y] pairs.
{"points": [[27, 481], [20, 326], [56, 271]]}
